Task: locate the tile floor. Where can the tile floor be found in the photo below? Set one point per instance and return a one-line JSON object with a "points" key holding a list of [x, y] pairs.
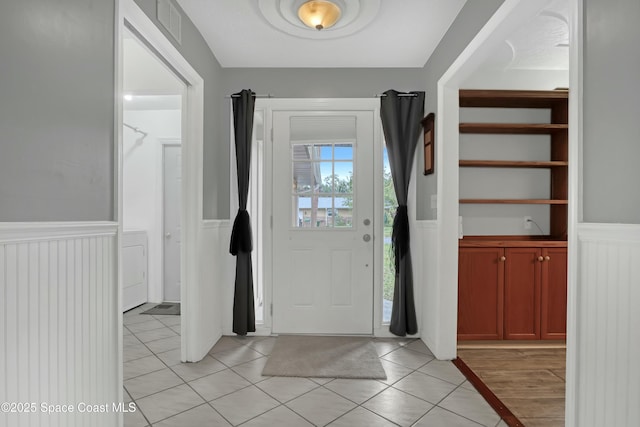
{"points": [[227, 388]]}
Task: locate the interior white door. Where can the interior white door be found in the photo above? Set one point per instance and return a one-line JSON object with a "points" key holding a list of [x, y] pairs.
{"points": [[323, 222], [172, 202]]}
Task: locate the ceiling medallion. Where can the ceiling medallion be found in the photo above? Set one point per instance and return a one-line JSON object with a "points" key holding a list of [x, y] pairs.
{"points": [[352, 16]]}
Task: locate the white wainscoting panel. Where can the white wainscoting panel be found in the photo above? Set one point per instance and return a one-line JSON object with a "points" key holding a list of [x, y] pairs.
{"points": [[59, 322], [216, 272], [427, 266], [608, 324]]}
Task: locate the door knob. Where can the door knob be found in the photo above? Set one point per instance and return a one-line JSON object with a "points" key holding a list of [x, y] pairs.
{"points": [[540, 259], [366, 237], [366, 221], [167, 236], [547, 258], [503, 258]]}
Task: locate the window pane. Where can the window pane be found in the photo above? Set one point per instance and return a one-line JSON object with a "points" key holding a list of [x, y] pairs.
{"points": [[344, 177], [323, 152], [303, 181], [344, 152], [325, 177]]}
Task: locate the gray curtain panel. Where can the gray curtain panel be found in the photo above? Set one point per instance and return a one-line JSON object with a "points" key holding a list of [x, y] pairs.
{"points": [[241, 242], [401, 116]]}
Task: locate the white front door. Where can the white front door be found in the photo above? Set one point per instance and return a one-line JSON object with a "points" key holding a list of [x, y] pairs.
{"points": [[172, 177], [323, 222]]}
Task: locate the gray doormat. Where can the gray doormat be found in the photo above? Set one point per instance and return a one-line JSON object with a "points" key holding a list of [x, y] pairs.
{"points": [[324, 357], [164, 308]]}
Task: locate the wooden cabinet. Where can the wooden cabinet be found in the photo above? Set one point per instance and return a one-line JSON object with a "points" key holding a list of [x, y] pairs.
{"points": [[553, 304], [512, 293], [480, 294]]}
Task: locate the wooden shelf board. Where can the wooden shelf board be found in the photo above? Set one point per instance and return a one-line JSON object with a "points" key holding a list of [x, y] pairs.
{"points": [[513, 128], [515, 201], [512, 164], [512, 242], [513, 98]]}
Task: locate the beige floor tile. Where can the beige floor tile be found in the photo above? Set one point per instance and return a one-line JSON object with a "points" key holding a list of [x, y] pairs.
{"points": [[445, 370], [164, 344], [171, 357], [135, 368], [398, 406], [169, 402], [441, 417], [284, 389], [408, 358], [135, 351], [200, 416], [153, 382], [470, 404], [149, 325], [244, 404], [264, 346], [155, 334], [192, 371], [171, 320], [237, 356], [361, 417], [134, 419], [357, 391], [280, 416], [321, 406], [425, 387], [419, 346], [394, 371], [384, 346], [219, 384], [224, 343], [252, 371]]}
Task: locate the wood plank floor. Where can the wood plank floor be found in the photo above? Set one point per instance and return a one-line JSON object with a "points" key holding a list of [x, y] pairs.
{"points": [[529, 381]]}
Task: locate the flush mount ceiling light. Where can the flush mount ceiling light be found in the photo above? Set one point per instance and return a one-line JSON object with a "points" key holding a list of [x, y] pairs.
{"points": [[287, 16], [319, 14]]}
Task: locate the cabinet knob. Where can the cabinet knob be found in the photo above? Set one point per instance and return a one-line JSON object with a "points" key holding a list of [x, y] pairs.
{"points": [[540, 259], [503, 258], [547, 258]]}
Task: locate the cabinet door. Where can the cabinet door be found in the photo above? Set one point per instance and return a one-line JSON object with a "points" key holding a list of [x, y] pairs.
{"points": [[554, 294], [480, 294], [522, 294]]}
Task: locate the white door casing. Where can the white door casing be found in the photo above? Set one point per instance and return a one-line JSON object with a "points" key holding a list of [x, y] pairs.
{"points": [[172, 182], [323, 266]]}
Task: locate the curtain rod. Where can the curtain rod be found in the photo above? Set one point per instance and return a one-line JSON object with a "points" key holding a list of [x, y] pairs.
{"points": [[135, 129], [268, 95], [382, 95]]}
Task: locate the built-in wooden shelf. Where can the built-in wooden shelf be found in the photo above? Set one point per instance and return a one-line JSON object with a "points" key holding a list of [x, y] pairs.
{"points": [[512, 164], [513, 98], [515, 201], [514, 128]]}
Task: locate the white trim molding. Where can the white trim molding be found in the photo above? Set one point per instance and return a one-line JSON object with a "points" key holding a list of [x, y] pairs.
{"points": [[607, 296], [40, 231]]}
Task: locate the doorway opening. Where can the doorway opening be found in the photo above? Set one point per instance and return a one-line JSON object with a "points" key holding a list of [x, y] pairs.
{"points": [[151, 176]]}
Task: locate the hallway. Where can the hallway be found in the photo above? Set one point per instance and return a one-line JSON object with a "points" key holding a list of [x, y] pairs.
{"points": [[227, 388]]}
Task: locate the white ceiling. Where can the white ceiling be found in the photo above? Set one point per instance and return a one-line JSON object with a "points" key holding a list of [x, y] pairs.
{"points": [[400, 34]]}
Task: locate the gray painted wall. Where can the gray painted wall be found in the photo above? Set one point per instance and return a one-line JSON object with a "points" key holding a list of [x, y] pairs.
{"points": [[611, 138], [469, 21], [56, 110], [216, 164]]}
